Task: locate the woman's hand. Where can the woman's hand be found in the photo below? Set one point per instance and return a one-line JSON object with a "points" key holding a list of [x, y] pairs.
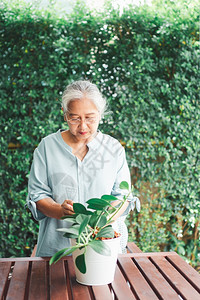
{"points": [[52, 209], [67, 207]]}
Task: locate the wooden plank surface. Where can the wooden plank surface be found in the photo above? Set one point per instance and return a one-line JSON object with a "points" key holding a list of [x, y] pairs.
{"points": [[186, 270], [79, 291], [58, 283], [148, 254], [18, 282], [38, 281], [175, 279], [102, 292], [5, 269], [133, 248], [155, 279], [121, 288], [13, 259], [136, 280]]}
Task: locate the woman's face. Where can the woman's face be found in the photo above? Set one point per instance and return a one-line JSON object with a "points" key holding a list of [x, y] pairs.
{"points": [[83, 119]]}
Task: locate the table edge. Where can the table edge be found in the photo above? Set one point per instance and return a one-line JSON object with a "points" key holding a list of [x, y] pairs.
{"points": [[141, 254]]}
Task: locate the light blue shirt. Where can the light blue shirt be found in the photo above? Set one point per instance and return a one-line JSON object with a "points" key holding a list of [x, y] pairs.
{"points": [[57, 173]]}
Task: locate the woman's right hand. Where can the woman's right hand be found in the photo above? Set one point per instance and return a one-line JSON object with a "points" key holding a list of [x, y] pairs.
{"points": [[67, 207], [52, 209]]}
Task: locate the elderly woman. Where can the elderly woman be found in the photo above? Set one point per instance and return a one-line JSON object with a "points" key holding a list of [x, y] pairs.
{"points": [[75, 165]]}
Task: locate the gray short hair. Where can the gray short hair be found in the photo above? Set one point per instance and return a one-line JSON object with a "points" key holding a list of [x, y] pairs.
{"points": [[80, 89]]}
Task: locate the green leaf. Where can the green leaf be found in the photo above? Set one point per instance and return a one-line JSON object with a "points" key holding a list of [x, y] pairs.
{"points": [[97, 204], [102, 221], [109, 197], [84, 224], [80, 218], [124, 185], [64, 252], [81, 209], [106, 232], [100, 247], [69, 217], [93, 220], [73, 230], [80, 263], [181, 250], [70, 235], [71, 220], [57, 256]]}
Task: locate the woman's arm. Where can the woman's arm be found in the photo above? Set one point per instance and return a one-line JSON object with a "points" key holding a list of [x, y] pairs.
{"points": [[52, 209]]}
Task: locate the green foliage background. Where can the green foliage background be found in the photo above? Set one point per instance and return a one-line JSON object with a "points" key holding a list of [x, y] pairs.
{"points": [[145, 61]]}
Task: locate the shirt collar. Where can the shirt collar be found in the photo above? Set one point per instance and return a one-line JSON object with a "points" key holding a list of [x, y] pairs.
{"points": [[96, 141]]}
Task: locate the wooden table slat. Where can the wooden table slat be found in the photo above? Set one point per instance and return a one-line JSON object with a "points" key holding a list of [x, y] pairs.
{"points": [[80, 291], [155, 279], [5, 268], [58, 284], [148, 254], [38, 281], [14, 259], [175, 279], [18, 282], [136, 280], [186, 270], [133, 248], [120, 286], [102, 292]]}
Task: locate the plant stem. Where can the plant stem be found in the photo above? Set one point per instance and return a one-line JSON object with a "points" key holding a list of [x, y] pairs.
{"points": [[118, 209]]}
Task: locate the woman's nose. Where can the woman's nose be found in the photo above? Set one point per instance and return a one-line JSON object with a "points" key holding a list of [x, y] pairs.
{"points": [[83, 123]]}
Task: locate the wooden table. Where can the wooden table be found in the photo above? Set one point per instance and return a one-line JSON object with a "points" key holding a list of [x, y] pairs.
{"points": [[163, 275]]}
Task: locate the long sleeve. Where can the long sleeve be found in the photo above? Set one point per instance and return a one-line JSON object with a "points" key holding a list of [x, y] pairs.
{"points": [[38, 182]]}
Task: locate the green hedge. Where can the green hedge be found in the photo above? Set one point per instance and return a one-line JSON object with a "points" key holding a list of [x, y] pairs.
{"points": [[146, 64]]}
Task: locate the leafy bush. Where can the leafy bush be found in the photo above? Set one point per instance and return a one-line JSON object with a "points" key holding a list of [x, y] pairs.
{"points": [[146, 63]]}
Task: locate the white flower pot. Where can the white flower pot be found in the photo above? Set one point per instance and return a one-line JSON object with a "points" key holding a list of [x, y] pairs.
{"points": [[100, 269]]}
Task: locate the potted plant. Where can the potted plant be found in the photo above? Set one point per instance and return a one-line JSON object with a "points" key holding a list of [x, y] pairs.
{"points": [[92, 236]]}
